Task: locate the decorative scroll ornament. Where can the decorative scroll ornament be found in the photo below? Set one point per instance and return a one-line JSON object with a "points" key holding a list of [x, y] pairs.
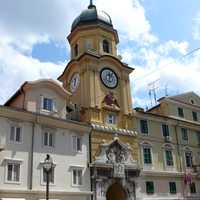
{"points": [[110, 101]]}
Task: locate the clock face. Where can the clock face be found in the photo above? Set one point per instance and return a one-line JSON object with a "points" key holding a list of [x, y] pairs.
{"points": [[74, 83], [109, 78]]}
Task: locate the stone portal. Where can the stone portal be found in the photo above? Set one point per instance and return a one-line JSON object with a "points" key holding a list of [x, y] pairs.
{"points": [[114, 172]]}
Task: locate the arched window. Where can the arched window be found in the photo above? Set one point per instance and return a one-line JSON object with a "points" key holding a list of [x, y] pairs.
{"points": [[76, 50], [106, 47]]}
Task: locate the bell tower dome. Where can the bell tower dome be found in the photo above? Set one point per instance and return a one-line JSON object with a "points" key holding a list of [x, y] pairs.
{"points": [[93, 31]]}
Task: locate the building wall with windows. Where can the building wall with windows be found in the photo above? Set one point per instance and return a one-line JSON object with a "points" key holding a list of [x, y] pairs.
{"points": [[169, 156], [27, 137]]}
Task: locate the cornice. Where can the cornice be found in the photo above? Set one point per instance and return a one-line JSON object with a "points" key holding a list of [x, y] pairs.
{"points": [[164, 173], [162, 118], [95, 56], [14, 113], [16, 191], [179, 102]]}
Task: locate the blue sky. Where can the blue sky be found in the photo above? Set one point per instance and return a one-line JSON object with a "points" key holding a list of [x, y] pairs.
{"points": [[154, 36]]}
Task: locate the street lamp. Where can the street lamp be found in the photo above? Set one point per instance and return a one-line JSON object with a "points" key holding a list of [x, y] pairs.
{"points": [[47, 166]]}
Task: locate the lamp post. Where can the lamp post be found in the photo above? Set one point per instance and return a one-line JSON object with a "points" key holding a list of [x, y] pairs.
{"points": [[47, 166]]}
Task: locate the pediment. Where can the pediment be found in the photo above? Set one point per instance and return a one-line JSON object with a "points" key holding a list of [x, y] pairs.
{"points": [[115, 152], [188, 98]]}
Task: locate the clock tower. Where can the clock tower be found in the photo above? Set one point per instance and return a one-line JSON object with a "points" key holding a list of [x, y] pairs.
{"points": [[99, 83]]}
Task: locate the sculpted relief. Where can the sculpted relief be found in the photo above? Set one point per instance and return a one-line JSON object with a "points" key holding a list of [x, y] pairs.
{"points": [[118, 153]]}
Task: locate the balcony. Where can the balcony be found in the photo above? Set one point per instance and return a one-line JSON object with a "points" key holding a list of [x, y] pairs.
{"points": [[168, 138], [74, 115], [73, 112]]}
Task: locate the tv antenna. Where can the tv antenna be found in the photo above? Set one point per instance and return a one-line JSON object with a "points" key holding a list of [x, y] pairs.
{"points": [[152, 92]]}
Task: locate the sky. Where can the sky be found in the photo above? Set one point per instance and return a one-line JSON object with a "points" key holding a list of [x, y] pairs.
{"points": [[160, 39]]}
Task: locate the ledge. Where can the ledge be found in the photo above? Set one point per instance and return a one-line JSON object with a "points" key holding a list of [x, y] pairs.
{"points": [[110, 129]]}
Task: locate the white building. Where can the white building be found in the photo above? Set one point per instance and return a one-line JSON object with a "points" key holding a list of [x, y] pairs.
{"points": [[32, 124]]}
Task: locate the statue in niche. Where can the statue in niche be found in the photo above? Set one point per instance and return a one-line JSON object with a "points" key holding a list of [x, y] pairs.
{"points": [[111, 101], [116, 154], [111, 155]]}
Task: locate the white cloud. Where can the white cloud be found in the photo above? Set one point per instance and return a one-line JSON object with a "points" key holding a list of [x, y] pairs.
{"points": [[16, 68], [166, 48], [26, 23], [175, 73], [129, 19]]}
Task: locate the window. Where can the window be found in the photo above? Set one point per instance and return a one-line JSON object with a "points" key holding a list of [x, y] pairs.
{"points": [[194, 116], [180, 112], [172, 187], [106, 47], [76, 50], [48, 139], [192, 188], [13, 172], [48, 104], [169, 158], [144, 127], [198, 137], [184, 134], [15, 134], [165, 130], [77, 143], [88, 44], [77, 177], [147, 155], [111, 119], [51, 176], [149, 187], [188, 159]]}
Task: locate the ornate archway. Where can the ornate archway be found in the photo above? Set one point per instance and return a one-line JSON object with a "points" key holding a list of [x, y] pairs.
{"points": [[116, 192], [114, 172]]}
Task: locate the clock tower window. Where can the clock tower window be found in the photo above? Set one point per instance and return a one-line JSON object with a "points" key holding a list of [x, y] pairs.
{"points": [[76, 50], [106, 46]]}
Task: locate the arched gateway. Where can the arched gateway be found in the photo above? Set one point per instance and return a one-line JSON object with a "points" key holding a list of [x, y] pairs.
{"points": [[114, 172]]}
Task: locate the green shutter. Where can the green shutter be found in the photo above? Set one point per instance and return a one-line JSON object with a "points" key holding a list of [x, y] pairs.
{"points": [[172, 187], [149, 187]]}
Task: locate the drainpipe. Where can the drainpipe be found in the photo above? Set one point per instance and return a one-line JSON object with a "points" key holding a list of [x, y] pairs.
{"points": [[90, 160], [178, 147], [31, 156], [179, 155]]}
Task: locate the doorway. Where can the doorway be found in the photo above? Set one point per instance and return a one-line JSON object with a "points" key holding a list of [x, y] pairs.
{"points": [[116, 192]]}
